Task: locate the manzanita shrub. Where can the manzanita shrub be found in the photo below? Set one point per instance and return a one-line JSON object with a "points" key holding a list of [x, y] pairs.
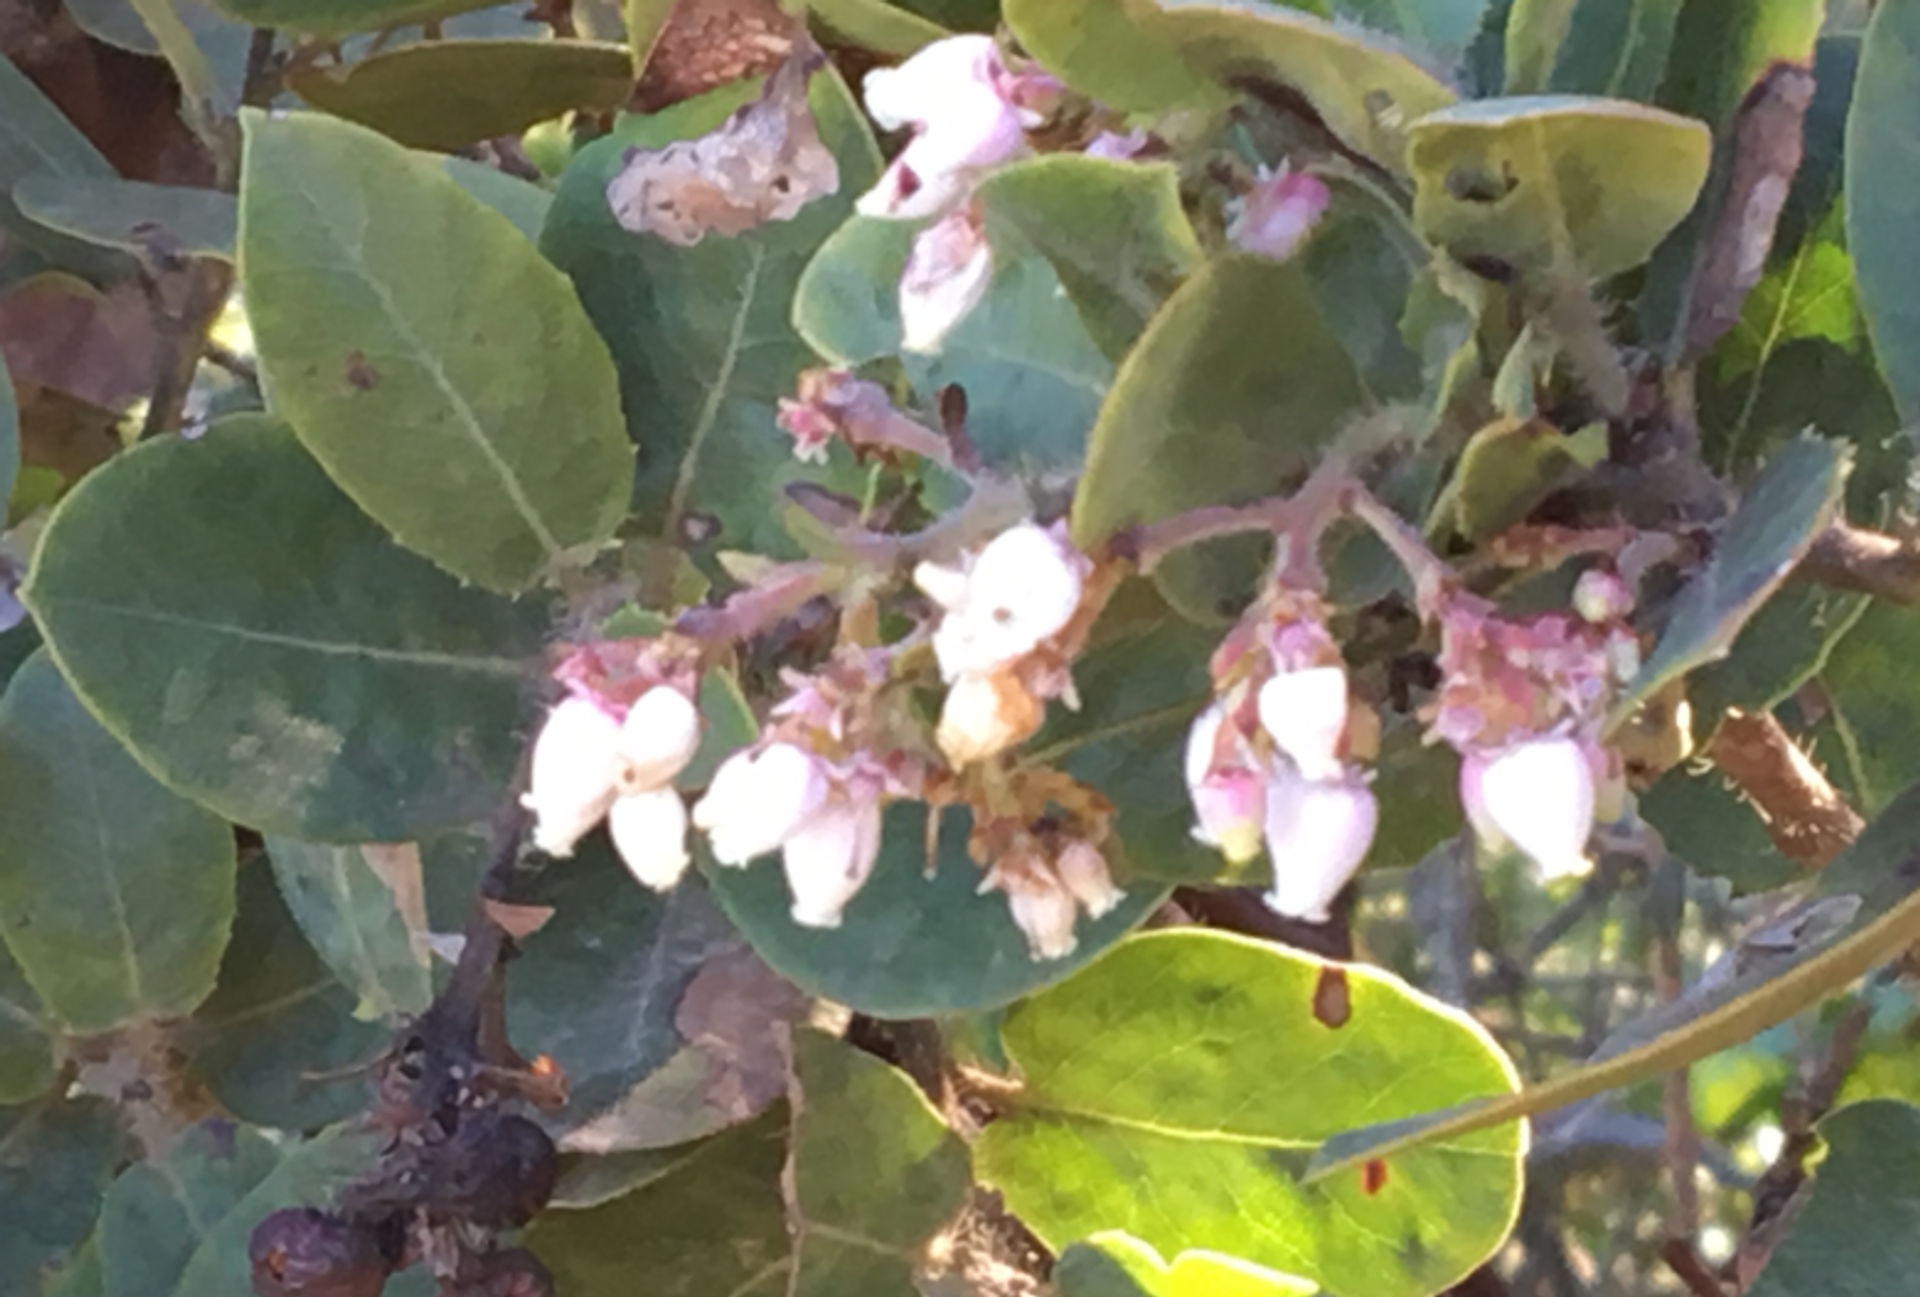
{"points": [[1123, 648]]}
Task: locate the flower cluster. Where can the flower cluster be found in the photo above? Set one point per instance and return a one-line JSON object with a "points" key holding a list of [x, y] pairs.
{"points": [[1267, 760], [1523, 703], [1004, 637], [1040, 841]]}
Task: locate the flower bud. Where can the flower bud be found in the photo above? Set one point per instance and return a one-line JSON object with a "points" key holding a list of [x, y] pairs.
{"points": [[1537, 794], [1306, 714], [984, 715], [1046, 912], [758, 800], [1318, 832], [649, 830], [1275, 216], [947, 272], [830, 858], [1229, 802], [574, 776], [1602, 596], [1083, 872], [658, 738]]}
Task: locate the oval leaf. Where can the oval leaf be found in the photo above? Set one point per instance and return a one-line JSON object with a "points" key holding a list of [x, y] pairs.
{"points": [[451, 93], [351, 917], [26, 1040], [439, 368], [1883, 189], [341, 17], [340, 689], [132, 215], [157, 1215], [117, 894], [1174, 1088], [1116, 1264], [56, 1160], [1533, 180]]}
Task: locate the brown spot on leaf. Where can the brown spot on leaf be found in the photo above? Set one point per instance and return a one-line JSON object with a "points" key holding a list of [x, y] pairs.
{"points": [[1332, 1000], [361, 376], [1373, 1176]]}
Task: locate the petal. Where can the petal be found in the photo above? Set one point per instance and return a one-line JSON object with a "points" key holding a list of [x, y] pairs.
{"points": [[1275, 216], [945, 585], [757, 801], [1539, 794], [1083, 872], [573, 774], [649, 830], [658, 738], [984, 715], [829, 859], [1047, 914], [946, 275], [924, 87], [1306, 713], [1318, 832]]}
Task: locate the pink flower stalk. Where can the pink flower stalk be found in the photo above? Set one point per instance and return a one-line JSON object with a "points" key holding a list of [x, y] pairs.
{"points": [[1275, 216], [832, 403]]}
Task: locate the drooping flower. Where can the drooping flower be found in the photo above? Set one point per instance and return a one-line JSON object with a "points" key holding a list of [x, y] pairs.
{"points": [[1318, 832], [1046, 911], [1275, 216], [968, 112], [947, 272], [1537, 794], [758, 800], [575, 774], [1305, 713], [649, 830], [1229, 796], [829, 858], [1082, 870]]}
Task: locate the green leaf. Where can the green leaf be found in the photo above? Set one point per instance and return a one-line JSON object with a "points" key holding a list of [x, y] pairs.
{"points": [[911, 946], [37, 139], [1883, 187], [1116, 1264], [1880, 883], [79, 1277], [341, 17], [1209, 408], [1173, 1089], [9, 432], [596, 987], [131, 215], [1534, 180], [157, 1215], [476, 416], [117, 894], [1705, 822], [1112, 50], [56, 1159], [1511, 465], [353, 921], [277, 1042], [876, 25], [520, 201], [876, 1172], [1591, 47], [1116, 233], [1444, 27], [1868, 678], [1786, 644], [701, 334], [448, 94], [712, 1224], [340, 688], [1033, 376], [1863, 1189], [1362, 281], [1784, 509], [26, 1039]]}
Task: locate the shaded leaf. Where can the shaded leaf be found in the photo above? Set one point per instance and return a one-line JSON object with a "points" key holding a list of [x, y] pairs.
{"points": [[1115, 1264], [1033, 376], [522, 202], [1789, 504], [340, 17], [1704, 821], [1173, 1089], [713, 1223], [1786, 644], [9, 432], [37, 139], [117, 894], [26, 1039], [1534, 180], [56, 1159], [1443, 28], [354, 921], [1867, 678], [277, 1042], [340, 688], [129, 214], [875, 1172], [1863, 1190], [1511, 465], [59, 331], [1616, 49], [876, 25], [475, 416], [156, 1216], [701, 334], [1882, 189], [448, 94]]}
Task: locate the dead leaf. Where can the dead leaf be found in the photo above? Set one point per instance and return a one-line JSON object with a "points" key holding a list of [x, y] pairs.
{"points": [[517, 921], [764, 163], [60, 332]]}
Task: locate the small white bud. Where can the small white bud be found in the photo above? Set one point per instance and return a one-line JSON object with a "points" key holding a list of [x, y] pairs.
{"points": [[658, 738], [1537, 794], [574, 774], [1318, 832], [649, 830], [758, 800], [1306, 713], [829, 859], [1083, 872], [984, 715]]}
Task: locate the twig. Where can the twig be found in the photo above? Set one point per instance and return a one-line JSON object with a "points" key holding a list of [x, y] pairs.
{"points": [[185, 296], [1854, 558], [1680, 1257], [261, 81], [1805, 815], [1681, 1152]]}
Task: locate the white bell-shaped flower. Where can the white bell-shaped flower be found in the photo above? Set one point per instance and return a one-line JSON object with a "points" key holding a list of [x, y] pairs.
{"points": [[962, 126], [657, 739], [758, 800], [1318, 832], [1537, 794], [1046, 912], [1229, 801], [946, 275], [1022, 588], [574, 775], [1083, 872], [1306, 714], [984, 715], [649, 830], [829, 858]]}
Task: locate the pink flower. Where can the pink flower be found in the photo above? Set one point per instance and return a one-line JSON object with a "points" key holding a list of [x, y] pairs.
{"points": [[829, 858], [1230, 795], [968, 112], [1275, 216], [947, 272], [1538, 795], [1318, 832], [1116, 147]]}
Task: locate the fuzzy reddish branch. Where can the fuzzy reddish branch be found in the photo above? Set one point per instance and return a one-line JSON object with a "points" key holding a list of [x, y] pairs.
{"points": [[1806, 817]]}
